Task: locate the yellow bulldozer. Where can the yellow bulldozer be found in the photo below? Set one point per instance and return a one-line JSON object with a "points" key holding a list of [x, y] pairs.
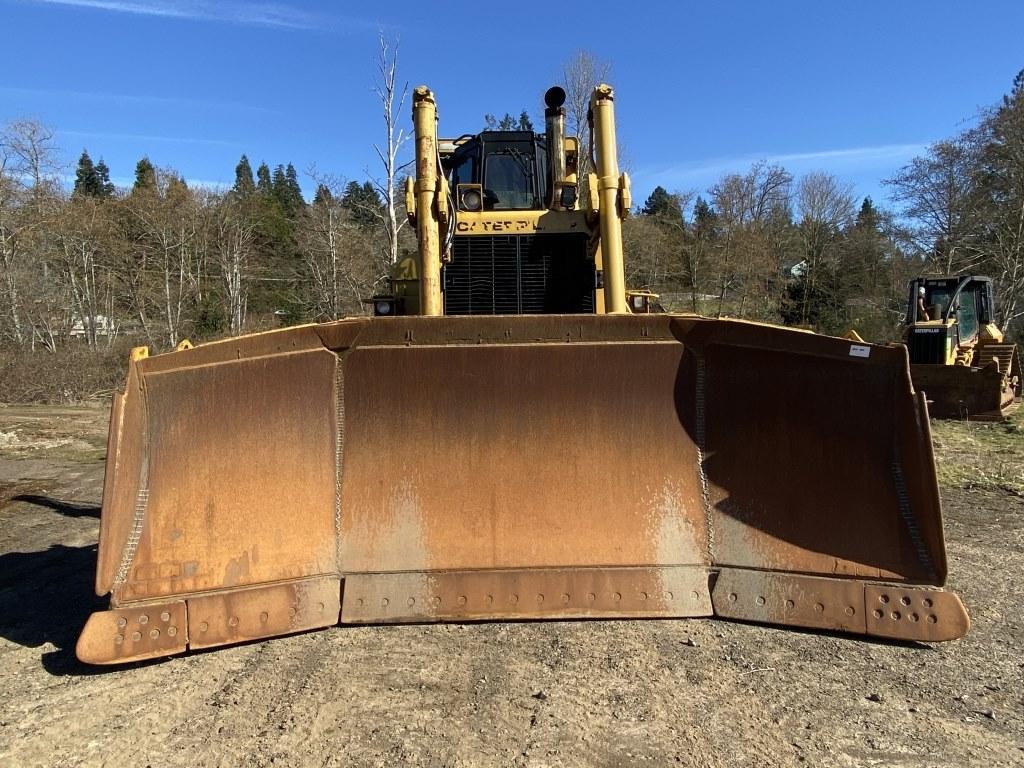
{"points": [[958, 356], [507, 440]]}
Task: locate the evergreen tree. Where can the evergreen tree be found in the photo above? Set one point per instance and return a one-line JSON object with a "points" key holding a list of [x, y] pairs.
{"points": [[264, 185], [176, 187], [244, 183], [87, 180], [508, 122], [107, 188], [704, 219], [279, 187], [662, 204], [323, 195], [363, 202], [867, 216], [294, 201], [145, 176]]}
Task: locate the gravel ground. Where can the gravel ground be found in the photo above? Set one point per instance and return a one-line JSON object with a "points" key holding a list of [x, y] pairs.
{"points": [[695, 693]]}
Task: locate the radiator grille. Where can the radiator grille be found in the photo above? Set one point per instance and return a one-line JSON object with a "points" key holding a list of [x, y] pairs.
{"points": [[519, 275], [928, 346]]}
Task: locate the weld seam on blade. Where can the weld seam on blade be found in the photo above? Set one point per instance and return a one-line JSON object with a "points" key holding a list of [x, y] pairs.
{"points": [[903, 501], [705, 492], [132, 544], [339, 446]]}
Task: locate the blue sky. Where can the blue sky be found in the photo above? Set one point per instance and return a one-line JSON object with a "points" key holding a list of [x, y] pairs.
{"points": [[856, 89]]}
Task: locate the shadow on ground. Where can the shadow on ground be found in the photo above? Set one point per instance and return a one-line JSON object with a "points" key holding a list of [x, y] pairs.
{"points": [[67, 508], [46, 597]]}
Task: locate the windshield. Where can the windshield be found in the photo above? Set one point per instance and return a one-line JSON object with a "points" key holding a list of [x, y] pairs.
{"points": [[937, 300], [508, 180]]}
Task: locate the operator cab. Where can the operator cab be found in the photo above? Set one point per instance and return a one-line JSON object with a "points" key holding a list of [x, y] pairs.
{"points": [[499, 171], [945, 313]]}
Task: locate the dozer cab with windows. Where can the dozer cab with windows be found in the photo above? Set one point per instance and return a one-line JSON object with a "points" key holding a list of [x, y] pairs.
{"points": [[958, 357], [516, 444]]}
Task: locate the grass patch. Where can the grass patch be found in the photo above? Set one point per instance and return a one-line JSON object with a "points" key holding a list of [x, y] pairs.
{"points": [[989, 456]]}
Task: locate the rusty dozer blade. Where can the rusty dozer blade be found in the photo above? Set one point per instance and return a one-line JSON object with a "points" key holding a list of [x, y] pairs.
{"points": [[452, 469]]}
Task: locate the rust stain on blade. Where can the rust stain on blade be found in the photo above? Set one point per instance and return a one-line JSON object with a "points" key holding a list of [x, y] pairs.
{"points": [[248, 614], [522, 455]]}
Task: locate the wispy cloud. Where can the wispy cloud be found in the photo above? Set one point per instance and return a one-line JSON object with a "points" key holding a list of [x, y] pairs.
{"points": [[260, 14], [149, 138], [849, 159], [125, 182], [166, 101]]}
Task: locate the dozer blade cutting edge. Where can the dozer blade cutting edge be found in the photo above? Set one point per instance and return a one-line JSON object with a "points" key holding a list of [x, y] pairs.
{"points": [[496, 468], [988, 392]]}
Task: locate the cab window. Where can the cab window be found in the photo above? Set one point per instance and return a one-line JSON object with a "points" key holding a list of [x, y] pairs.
{"points": [[967, 315], [463, 171], [509, 172]]}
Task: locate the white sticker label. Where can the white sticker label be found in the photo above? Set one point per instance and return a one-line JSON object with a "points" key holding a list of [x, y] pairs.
{"points": [[860, 350]]}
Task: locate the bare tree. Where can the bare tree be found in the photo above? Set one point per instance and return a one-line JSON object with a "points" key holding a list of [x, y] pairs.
{"points": [[387, 89], [339, 256], [753, 214], [940, 195], [233, 237], [825, 206], [1001, 179], [28, 198], [580, 74], [83, 237], [167, 225], [31, 146]]}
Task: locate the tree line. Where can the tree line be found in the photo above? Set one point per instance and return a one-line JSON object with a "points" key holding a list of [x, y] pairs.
{"points": [[164, 261], [767, 246], [161, 260]]}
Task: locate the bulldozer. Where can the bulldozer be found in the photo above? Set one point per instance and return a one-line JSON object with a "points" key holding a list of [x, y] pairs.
{"points": [[510, 438], [958, 356]]}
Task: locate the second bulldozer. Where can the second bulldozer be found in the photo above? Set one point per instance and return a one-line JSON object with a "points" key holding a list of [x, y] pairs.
{"points": [[508, 440], [958, 356]]}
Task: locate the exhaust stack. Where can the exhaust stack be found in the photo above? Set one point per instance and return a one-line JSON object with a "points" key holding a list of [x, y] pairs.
{"points": [[554, 125]]}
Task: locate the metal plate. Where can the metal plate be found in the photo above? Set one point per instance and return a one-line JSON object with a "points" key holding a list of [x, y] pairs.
{"points": [[526, 594], [133, 634], [248, 614], [789, 599], [907, 613]]}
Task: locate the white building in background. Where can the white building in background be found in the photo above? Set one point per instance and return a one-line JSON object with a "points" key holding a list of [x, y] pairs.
{"points": [[105, 326]]}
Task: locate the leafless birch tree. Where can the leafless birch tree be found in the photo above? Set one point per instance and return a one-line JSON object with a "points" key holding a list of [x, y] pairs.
{"points": [[388, 91]]}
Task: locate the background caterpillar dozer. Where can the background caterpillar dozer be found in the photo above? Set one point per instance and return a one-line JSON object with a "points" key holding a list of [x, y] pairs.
{"points": [[958, 357], [516, 444]]}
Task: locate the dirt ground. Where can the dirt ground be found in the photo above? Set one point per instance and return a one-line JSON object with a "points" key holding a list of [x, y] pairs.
{"points": [[694, 693]]}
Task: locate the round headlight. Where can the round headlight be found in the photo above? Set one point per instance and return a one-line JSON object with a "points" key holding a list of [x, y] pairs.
{"points": [[383, 307], [471, 200]]}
